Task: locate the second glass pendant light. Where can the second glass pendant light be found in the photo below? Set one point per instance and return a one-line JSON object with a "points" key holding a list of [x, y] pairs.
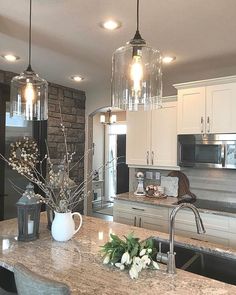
{"points": [[136, 75]]}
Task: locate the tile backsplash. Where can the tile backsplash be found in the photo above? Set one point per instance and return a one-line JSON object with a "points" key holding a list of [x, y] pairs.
{"points": [[210, 184]]}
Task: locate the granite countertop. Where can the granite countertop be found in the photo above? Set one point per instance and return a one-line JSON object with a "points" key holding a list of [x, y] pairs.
{"points": [[166, 202], [79, 264]]}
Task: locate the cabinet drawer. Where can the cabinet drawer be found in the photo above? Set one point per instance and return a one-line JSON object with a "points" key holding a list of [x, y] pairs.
{"points": [[136, 208]]}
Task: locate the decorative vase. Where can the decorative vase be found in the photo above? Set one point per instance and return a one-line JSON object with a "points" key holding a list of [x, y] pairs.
{"points": [[63, 226]]}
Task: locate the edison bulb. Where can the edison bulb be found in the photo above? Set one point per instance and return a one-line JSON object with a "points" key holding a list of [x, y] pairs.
{"points": [[113, 119], [136, 74], [102, 119], [29, 92]]}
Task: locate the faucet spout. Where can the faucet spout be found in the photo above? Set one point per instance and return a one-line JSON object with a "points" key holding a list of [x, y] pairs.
{"points": [[200, 230]]}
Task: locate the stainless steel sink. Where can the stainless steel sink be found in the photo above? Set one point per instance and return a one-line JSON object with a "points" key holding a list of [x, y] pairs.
{"points": [[211, 264]]}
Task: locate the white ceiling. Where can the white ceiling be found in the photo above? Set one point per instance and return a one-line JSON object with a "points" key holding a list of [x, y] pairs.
{"points": [[67, 39]]}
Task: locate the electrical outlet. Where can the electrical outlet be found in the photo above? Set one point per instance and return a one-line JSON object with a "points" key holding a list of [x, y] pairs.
{"points": [[157, 175], [149, 175]]}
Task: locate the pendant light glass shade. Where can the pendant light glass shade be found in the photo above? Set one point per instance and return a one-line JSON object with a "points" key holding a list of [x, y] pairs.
{"points": [[29, 92], [136, 79], [136, 75], [29, 96]]}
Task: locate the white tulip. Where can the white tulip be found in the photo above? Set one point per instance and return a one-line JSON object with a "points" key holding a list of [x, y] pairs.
{"points": [[120, 266], [155, 265], [142, 252], [125, 259], [106, 259], [133, 272], [137, 263], [149, 250], [146, 259]]}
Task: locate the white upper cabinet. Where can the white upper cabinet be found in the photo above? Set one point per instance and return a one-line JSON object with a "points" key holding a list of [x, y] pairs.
{"points": [[220, 108], [207, 106], [164, 135], [191, 110], [152, 137], [138, 138]]}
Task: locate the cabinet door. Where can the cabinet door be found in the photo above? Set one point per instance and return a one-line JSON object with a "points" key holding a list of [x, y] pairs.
{"points": [[126, 217], [164, 135], [138, 138], [220, 108], [191, 110], [154, 223]]}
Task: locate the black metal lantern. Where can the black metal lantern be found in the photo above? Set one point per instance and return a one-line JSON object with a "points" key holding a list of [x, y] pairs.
{"points": [[28, 212]]}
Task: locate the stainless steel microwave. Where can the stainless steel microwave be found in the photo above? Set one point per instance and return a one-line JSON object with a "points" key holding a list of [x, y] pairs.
{"points": [[210, 150]]}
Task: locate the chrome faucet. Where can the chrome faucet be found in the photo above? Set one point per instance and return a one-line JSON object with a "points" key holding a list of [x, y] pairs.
{"points": [[171, 269]]}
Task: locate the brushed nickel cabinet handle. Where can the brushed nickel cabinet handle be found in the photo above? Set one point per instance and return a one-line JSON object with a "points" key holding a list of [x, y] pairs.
{"points": [[208, 124], [152, 158], [139, 209], [140, 222], [135, 221], [202, 122], [147, 157]]}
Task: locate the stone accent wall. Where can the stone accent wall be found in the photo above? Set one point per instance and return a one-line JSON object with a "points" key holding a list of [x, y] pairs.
{"points": [[72, 103]]}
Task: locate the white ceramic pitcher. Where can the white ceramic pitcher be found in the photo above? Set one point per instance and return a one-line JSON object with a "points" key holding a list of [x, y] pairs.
{"points": [[63, 226]]}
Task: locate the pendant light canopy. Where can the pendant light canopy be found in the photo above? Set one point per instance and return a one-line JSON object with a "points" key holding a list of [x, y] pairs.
{"points": [[29, 92], [136, 75]]}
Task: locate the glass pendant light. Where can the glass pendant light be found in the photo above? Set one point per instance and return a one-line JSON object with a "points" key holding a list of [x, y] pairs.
{"points": [[136, 75], [29, 92]]}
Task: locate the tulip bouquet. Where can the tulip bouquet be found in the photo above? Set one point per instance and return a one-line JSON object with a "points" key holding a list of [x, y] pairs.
{"points": [[131, 254]]}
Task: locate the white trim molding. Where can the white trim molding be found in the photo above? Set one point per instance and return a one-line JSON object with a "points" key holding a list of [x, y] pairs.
{"points": [[208, 82], [155, 167]]}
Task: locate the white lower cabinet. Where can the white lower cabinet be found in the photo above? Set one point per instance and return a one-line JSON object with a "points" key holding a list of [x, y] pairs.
{"points": [[141, 215], [220, 229]]}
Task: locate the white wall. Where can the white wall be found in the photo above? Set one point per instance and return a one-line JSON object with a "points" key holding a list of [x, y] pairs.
{"points": [[98, 97], [98, 140]]}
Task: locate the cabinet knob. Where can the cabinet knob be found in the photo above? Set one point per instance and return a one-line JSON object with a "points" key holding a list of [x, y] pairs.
{"points": [[152, 158], [140, 222], [135, 221]]}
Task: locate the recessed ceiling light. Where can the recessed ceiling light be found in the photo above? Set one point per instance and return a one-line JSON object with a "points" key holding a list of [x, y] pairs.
{"points": [[168, 59], [110, 25], [10, 57], [77, 78]]}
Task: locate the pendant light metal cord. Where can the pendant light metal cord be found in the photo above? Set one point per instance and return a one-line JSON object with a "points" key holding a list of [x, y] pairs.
{"points": [[137, 37], [137, 28], [30, 33]]}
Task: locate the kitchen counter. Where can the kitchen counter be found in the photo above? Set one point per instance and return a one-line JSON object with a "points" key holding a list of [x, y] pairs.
{"points": [[79, 264], [169, 202]]}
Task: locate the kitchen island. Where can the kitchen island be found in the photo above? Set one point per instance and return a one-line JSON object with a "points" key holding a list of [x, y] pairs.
{"points": [[79, 264]]}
